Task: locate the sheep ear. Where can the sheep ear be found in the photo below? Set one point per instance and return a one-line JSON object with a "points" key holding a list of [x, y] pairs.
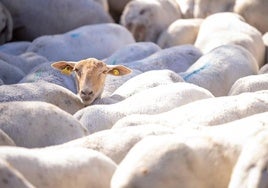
{"points": [[64, 67], [118, 70]]}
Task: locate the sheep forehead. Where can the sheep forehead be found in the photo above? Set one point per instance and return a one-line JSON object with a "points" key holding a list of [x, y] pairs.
{"points": [[90, 64]]}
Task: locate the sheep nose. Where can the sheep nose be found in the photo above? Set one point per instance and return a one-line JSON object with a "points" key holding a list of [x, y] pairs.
{"points": [[86, 93]]}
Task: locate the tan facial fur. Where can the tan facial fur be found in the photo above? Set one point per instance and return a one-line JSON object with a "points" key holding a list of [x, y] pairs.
{"points": [[90, 76]]}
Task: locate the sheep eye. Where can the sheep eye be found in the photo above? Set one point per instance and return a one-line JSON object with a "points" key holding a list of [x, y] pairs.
{"points": [[105, 71], [77, 71], [102, 73]]}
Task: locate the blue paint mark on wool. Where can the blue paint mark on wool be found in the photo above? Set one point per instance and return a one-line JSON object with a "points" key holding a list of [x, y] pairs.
{"points": [[186, 77], [75, 35]]}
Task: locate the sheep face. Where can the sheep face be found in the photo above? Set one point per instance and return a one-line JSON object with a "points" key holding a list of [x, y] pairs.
{"points": [[90, 76], [137, 18], [146, 19]]}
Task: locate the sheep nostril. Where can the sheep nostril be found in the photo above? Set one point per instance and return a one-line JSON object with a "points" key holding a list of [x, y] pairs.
{"points": [[86, 93]]}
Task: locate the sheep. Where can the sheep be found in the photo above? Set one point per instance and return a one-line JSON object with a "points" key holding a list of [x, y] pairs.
{"points": [[5, 140], [61, 168], [250, 84], [11, 177], [83, 42], [213, 111], [42, 91], [254, 12], [251, 167], [170, 161], [37, 18], [115, 143], [176, 58], [220, 68], [6, 25], [250, 125], [38, 124], [90, 76], [26, 61], [15, 48], [181, 31], [195, 158], [10, 74], [144, 81], [132, 52], [151, 101], [146, 19], [230, 28]]}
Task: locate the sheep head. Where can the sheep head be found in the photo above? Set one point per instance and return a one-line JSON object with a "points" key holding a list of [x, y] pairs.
{"points": [[90, 76]]}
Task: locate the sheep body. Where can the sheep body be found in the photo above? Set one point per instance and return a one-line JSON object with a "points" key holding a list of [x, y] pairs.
{"points": [[230, 28], [61, 168], [181, 31], [38, 124], [214, 111], [169, 161], [132, 52], [151, 101], [37, 18], [115, 143], [83, 42], [41, 91], [176, 58], [219, 69], [250, 84], [144, 81]]}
